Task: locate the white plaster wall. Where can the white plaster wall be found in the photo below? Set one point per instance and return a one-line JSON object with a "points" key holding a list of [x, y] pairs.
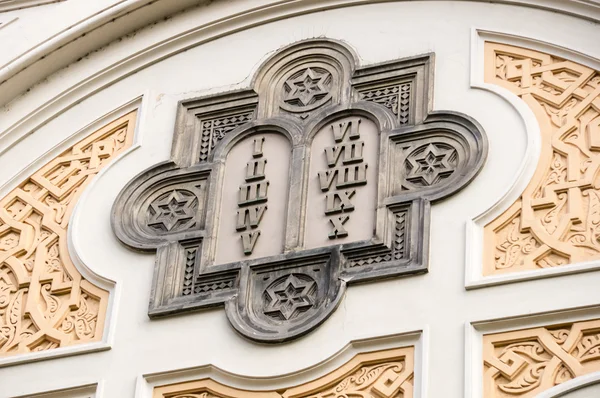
{"points": [[34, 25], [436, 301]]}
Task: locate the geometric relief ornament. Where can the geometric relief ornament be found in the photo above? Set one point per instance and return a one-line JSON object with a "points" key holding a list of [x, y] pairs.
{"points": [[45, 302], [556, 220], [379, 374], [524, 363], [277, 197]]}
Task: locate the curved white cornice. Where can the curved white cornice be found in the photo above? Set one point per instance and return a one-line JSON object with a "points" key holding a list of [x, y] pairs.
{"points": [[579, 383], [103, 39], [10, 5], [69, 45], [127, 16]]}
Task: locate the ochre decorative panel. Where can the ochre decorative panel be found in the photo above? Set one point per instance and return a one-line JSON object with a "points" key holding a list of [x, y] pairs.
{"points": [[524, 363], [556, 221], [45, 303], [381, 374]]}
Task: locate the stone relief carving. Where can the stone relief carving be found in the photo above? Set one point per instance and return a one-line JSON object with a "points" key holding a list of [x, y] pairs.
{"points": [[524, 363], [307, 89], [395, 97], [289, 296], [429, 164], [556, 219], [253, 196], [215, 129], [173, 210], [45, 303], [325, 180], [340, 183], [380, 374]]}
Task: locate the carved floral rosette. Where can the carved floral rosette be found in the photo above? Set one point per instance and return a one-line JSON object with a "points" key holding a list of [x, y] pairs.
{"points": [[277, 197]]}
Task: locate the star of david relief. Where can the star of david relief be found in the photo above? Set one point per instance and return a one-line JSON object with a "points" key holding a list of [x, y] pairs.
{"points": [[280, 196], [289, 296], [173, 209], [429, 164], [307, 87]]}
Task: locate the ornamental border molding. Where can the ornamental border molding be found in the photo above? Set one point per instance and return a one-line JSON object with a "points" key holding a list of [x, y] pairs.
{"points": [[474, 228], [79, 261], [419, 339], [175, 207], [474, 332], [34, 65]]}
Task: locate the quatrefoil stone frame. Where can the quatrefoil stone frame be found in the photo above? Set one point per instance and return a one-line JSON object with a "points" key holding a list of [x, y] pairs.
{"points": [[173, 207]]}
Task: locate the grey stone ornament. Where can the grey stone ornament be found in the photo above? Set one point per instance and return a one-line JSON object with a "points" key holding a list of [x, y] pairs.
{"points": [[278, 197]]}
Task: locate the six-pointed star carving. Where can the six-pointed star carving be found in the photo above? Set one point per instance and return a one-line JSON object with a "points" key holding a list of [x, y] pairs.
{"points": [[430, 164], [172, 209], [305, 87], [289, 297]]}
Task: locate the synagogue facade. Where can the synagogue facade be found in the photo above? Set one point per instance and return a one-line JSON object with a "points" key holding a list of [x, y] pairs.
{"points": [[232, 199]]}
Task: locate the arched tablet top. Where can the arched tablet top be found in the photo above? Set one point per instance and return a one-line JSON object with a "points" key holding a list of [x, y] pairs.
{"points": [[384, 120], [276, 125]]}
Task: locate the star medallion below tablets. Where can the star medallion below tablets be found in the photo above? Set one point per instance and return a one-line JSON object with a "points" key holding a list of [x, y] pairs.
{"points": [[290, 297]]}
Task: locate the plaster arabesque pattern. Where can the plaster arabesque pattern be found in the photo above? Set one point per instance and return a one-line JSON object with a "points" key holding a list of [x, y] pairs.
{"points": [[556, 220], [523, 363], [378, 374], [45, 302]]}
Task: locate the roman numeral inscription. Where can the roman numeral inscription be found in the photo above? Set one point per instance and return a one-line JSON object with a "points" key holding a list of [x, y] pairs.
{"points": [[347, 169], [252, 198]]}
